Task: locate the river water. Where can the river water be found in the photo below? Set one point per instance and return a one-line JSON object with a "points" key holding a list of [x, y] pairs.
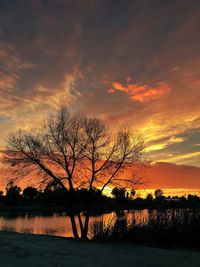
{"points": [[59, 224]]}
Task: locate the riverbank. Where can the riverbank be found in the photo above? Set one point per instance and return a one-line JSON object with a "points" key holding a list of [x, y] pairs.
{"points": [[137, 204], [38, 250]]}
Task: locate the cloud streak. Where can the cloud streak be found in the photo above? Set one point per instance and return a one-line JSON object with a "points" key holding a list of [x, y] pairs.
{"points": [[142, 93]]}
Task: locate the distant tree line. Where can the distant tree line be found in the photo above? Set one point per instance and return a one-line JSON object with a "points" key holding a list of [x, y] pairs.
{"points": [[54, 196]]}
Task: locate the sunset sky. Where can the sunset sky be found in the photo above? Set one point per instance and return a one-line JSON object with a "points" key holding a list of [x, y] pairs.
{"points": [[124, 61]]}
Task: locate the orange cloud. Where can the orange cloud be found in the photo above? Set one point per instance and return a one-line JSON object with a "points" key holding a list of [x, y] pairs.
{"points": [[142, 93]]}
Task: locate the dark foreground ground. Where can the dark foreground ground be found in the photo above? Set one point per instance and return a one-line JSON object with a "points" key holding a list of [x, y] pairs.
{"points": [[36, 250]]}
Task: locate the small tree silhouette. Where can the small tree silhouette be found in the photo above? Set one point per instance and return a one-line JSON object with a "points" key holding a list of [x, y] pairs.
{"points": [[12, 194], [119, 193], [149, 197], [158, 193], [30, 193]]}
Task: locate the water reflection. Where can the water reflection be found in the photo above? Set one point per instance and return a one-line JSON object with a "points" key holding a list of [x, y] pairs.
{"points": [[59, 224]]}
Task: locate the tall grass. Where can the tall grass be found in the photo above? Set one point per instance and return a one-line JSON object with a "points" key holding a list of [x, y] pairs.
{"points": [[168, 228]]}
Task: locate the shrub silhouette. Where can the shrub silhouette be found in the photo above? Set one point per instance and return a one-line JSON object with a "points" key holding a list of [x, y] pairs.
{"points": [[158, 193]]}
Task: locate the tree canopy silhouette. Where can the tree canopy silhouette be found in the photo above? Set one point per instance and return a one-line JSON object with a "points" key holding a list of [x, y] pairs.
{"points": [[30, 193], [74, 151], [158, 193], [118, 193]]}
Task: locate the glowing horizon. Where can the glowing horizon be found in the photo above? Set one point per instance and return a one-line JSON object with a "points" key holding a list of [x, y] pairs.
{"points": [[166, 192]]}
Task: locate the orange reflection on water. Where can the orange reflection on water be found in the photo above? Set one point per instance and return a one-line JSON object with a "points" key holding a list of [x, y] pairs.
{"points": [[59, 225]]}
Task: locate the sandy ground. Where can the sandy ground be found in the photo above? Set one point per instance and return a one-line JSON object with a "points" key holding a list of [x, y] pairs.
{"points": [[36, 250]]}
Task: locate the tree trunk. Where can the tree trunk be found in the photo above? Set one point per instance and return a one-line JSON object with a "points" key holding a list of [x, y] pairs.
{"points": [[72, 216], [80, 221], [74, 227], [84, 233]]}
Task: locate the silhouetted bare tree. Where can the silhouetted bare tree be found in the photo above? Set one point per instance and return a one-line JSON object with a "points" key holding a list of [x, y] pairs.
{"points": [[74, 151]]}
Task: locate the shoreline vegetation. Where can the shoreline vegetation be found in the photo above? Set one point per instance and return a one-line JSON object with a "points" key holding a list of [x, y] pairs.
{"points": [[169, 228], [101, 209]]}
